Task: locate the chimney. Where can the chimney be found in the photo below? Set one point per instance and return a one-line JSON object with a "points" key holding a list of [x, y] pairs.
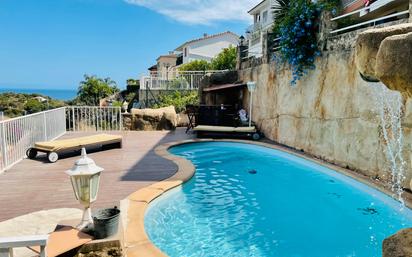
{"points": [[205, 34]]}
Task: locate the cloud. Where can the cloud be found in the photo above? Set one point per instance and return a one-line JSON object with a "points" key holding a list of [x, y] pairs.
{"points": [[204, 12]]}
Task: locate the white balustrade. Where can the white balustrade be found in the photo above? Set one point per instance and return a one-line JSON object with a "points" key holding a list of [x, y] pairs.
{"points": [[372, 20], [175, 80], [19, 134], [90, 118]]}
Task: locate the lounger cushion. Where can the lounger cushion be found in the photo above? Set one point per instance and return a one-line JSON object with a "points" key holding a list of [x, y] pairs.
{"points": [[225, 129], [57, 145]]}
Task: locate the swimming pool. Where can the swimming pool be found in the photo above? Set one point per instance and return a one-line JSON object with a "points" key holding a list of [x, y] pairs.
{"points": [[249, 200]]}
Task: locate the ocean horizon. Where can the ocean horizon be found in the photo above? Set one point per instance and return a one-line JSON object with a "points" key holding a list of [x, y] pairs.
{"points": [[59, 94]]}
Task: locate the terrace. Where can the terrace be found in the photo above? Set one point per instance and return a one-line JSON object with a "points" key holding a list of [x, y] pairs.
{"points": [[346, 167], [126, 170]]}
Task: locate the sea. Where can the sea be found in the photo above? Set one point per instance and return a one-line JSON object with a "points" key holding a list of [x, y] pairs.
{"points": [[60, 94]]}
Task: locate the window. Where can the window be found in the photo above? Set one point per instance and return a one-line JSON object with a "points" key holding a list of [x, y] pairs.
{"points": [[185, 51], [257, 18], [265, 16]]}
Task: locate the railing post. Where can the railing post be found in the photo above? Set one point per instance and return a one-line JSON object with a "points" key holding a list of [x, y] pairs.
{"points": [[3, 144], [191, 81], [74, 120], [45, 126], [121, 118], [6, 252], [410, 10]]}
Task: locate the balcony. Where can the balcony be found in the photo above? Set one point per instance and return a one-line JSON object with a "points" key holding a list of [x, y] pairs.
{"points": [[380, 11], [254, 28]]}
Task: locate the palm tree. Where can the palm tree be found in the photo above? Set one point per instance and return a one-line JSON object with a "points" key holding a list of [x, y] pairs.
{"points": [[280, 8], [92, 89]]}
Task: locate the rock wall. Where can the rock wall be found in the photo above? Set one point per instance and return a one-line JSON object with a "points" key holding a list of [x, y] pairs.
{"points": [[331, 113], [154, 119]]}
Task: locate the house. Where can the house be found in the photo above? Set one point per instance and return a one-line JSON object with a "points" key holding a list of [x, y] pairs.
{"points": [[152, 69], [166, 62], [40, 99], [262, 22], [206, 47]]}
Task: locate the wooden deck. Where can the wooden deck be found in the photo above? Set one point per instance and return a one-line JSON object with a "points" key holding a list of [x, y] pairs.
{"points": [[34, 185]]}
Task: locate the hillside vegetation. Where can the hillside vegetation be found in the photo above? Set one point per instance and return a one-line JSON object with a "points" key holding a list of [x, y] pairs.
{"points": [[17, 104]]}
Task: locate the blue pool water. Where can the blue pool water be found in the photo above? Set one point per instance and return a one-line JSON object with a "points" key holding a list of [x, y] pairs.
{"points": [[247, 200]]}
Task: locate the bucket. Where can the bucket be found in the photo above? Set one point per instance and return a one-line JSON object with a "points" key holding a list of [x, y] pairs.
{"points": [[106, 222]]}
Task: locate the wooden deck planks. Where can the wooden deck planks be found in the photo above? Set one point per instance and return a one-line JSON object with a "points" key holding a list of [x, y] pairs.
{"points": [[34, 185]]}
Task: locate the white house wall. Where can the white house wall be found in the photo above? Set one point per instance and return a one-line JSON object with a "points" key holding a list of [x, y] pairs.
{"points": [[209, 48], [256, 49]]}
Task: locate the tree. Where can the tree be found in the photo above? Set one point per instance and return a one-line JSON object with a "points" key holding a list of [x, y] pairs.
{"points": [[196, 65], [179, 99], [92, 89], [133, 85], [34, 105], [225, 60]]}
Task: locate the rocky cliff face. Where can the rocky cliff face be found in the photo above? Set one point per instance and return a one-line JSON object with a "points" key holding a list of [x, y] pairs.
{"points": [[331, 113]]}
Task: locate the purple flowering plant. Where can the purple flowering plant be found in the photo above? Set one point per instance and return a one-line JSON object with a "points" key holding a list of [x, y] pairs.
{"points": [[296, 25]]}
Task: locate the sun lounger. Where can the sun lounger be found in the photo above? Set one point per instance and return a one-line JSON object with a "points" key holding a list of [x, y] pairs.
{"points": [[52, 148], [224, 130]]}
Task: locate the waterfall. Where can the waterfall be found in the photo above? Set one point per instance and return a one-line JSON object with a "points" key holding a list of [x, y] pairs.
{"points": [[389, 106]]}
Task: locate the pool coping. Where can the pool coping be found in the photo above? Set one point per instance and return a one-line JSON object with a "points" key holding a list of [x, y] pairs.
{"points": [[137, 242]]}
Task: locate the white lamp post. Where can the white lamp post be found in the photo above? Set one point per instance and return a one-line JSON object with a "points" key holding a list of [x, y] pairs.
{"points": [[85, 178], [251, 86]]}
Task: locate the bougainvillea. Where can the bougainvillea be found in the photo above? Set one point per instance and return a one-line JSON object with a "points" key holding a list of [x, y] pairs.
{"points": [[296, 25]]}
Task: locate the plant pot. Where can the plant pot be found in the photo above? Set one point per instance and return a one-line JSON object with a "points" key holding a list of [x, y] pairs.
{"points": [[106, 222]]}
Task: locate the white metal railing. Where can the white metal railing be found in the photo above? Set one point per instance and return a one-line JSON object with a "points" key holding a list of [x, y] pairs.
{"points": [[262, 25], [19, 134], [254, 27], [363, 11], [93, 118], [175, 80], [373, 21]]}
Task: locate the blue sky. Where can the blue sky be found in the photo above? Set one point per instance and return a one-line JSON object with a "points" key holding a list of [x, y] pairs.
{"points": [[52, 43]]}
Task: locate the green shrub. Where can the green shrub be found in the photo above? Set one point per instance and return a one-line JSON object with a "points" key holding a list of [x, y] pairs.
{"points": [[179, 99], [117, 104], [33, 105], [225, 60], [196, 65]]}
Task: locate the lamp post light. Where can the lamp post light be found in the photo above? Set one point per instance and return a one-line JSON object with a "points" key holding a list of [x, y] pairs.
{"points": [[251, 86], [85, 179], [241, 40]]}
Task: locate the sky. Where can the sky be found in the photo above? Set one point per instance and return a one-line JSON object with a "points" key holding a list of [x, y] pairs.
{"points": [[51, 44]]}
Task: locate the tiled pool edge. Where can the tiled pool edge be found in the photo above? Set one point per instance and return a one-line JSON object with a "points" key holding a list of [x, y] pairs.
{"points": [[137, 243]]}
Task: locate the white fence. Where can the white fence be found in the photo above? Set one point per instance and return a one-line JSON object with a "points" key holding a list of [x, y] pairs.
{"points": [[90, 118], [19, 134], [174, 80]]}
